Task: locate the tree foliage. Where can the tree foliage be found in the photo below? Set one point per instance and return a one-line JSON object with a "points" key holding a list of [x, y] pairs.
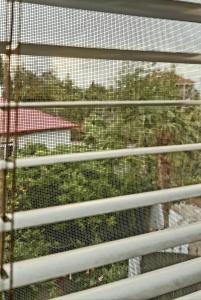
{"points": [[103, 129]]}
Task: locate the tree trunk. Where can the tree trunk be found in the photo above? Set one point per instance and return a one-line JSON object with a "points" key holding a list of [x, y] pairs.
{"points": [[163, 173]]}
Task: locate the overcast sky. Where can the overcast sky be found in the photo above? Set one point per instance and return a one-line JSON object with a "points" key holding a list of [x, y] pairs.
{"points": [[58, 26]]}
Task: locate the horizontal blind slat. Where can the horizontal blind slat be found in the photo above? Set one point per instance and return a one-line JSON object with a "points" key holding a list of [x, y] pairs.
{"points": [[96, 155], [163, 9], [106, 54], [56, 265], [145, 286], [102, 103], [61, 213]]}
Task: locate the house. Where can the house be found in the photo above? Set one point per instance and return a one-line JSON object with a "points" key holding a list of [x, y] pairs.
{"points": [[180, 214], [184, 214], [34, 126], [186, 87]]}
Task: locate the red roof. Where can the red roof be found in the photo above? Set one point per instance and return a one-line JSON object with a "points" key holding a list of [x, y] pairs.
{"points": [[31, 120], [184, 81]]}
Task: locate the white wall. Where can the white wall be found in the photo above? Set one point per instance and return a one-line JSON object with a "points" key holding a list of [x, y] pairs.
{"points": [[50, 139], [156, 223], [175, 219]]}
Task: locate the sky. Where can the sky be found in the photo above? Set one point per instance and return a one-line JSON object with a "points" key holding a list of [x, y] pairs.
{"points": [[68, 27]]}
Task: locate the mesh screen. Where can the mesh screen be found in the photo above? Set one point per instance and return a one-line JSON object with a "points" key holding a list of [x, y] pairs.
{"points": [[50, 131], [104, 30], [3, 20], [56, 79], [107, 274]]}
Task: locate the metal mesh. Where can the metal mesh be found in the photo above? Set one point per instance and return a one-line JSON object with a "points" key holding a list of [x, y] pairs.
{"points": [[104, 30], [2, 21], [59, 79], [59, 131], [68, 130], [62, 184]]}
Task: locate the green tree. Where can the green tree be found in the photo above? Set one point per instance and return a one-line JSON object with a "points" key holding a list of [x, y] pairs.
{"points": [[72, 183], [95, 92], [44, 87], [103, 129], [156, 84], [146, 126]]}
